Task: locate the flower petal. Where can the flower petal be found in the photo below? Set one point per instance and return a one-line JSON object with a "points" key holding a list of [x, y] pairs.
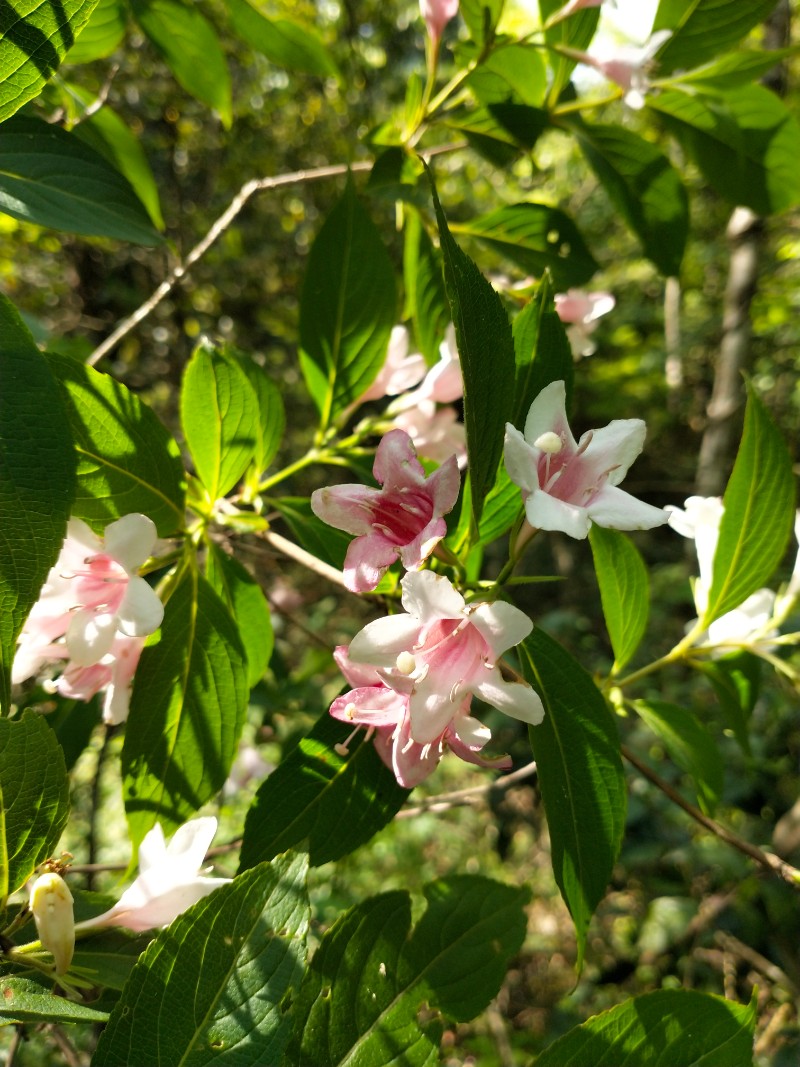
{"points": [[381, 641], [141, 611], [513, 698], [372, 706], [90, 636], [614, 448], [130, 540], [345, 507], [545, 512], [501, 625], [521, 460], [368, 557], [548, 414], [428, 596], [396, 465], [619, 510], [190, 842]]}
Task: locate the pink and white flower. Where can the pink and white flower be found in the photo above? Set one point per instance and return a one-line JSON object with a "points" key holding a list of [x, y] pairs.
{"points": [[403, 519], [437, 13], [400, 372], [438, 654], [628, 66], [568, 485], [113, 675], [169, 881], [579, 311]]}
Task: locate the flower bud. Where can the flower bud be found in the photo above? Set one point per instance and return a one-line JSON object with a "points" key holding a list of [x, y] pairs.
{"points": [[51, 904]]}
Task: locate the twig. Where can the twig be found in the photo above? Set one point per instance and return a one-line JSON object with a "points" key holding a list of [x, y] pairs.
{"points": [[95, 808], [249, 189], [770, 970], [770, 862], [16, 1041], [461, 797], [68, 1051], [299, 555]]}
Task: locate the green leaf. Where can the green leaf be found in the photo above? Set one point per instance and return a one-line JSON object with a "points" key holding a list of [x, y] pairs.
{"points": [[736, 679], [314, 535], [703, 29], [222, 976], [25, 1001], [347, 308], [486, 134], [426, 299], [678, 1027], [735, 69], [34, 798], [542, 351], [575, 32], [34, 38], [108, 956], [220, 418], [502, 507], [624, 590], [334, 803], [37, 480], [50, 177], [187, 710], [284, 43], [481, 18], [361, 999], [126, 459], [248, 605], [510, 74], [271, 422], [759, 513], [101, 34], [577, 753], [745, 142], [189, 45], [645, 188], [689, 744], [537, 238], [106, 133], [482, 327]]}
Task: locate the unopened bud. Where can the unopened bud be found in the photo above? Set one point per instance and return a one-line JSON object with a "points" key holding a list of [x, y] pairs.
{"points": [[549, 442], [51, 904]]}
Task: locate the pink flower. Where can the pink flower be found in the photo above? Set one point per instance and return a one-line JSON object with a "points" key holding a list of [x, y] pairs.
{"points": [[374, 705], [400, 372], [567, 485], [402, 519], [437, 13], [114, 674], [438, 655], [628, 66], [169, 881], [579, 311]]}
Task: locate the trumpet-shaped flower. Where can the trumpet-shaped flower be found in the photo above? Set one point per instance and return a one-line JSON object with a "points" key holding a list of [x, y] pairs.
{"points": [[401, 519], [628, 66], [441, 652], [169, 881], [579, 311], [568, 485], [400, 372], [113, 675], [372, 704], [437, 13], [51, 905]]}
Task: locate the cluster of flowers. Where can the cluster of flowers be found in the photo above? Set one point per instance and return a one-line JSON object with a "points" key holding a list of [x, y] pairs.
{"points": [[93, 614]]}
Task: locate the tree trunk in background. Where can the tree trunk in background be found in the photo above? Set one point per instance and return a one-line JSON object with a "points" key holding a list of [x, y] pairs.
{"points": [[745, 235]]}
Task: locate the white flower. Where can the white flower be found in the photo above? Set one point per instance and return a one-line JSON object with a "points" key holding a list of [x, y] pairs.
{"points": [[628, 66], [169, 881], [579, 311]]}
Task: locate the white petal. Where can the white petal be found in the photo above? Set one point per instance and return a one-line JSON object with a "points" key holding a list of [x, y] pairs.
{"points": [[89, 637], [380, 642], [548, 412], [521, 460], [614, 448], [471, 732], [428, 596], [618, 510], [130, 540], [191, 841], [141, 611], [545, 512], [501, 625], [152, 850], [513, 698]]}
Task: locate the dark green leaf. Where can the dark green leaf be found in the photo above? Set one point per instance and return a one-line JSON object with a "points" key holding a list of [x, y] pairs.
{"points": [[240, 952], [360, 1000], [759, 514], [745, 142], [524, 124], [220, 418], [502, 507], [485, 133], [689, 744], [481, 17], [248, 605], [624, 590], [703, 29], [537, 238], [126, 459], [736, 679], [575, 32], [347, 308], [187, 710], [426, 300], [645, 188], [108, 956], [34, 38], [37, 480], [284, 43], [542, 351], [482, 327], [34, 798], [314, 535], [334, 803], [73, 722], [50, 177], [735, 69], [577, 753], [25, 1001], [101, 34], [670, 1026]]}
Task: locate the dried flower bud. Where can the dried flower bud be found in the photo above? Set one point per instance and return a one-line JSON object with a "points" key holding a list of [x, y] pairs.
{"points": [[51, 904]]}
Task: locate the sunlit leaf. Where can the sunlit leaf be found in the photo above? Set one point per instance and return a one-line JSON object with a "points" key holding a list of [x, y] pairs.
{"points": [[624, 590], [703, 29], [284, 43], [25, 1001]]}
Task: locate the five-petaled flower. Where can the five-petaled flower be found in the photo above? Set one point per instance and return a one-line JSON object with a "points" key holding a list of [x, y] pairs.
{"points": [[169, 880], [94, 612], [568, 485], [401, 519], [431, 661]]}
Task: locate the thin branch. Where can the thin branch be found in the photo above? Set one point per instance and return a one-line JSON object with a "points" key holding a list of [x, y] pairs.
{"points": [[462, 797], [299, 555], [249, 189], [67, 1049], [729, 943], [94, 809], [770, 862], [16, 1041]]}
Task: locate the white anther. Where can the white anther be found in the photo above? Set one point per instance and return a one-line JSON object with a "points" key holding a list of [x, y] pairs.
{"points": [[406, 663], [549, 442]]}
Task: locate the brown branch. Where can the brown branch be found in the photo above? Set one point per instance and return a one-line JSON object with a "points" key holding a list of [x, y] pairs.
{"points": [[462, 797]]}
